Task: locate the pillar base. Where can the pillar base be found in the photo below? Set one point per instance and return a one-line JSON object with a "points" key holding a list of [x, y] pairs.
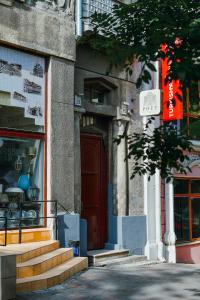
{"points": [[170, 253]]}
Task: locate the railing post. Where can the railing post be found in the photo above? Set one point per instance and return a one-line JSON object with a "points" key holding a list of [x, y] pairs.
{"points": [[20, 229], [6, 225], [56, 219]]}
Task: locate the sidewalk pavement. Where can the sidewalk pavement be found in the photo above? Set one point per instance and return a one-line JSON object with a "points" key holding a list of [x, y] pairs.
{"points": [[147, 282]]}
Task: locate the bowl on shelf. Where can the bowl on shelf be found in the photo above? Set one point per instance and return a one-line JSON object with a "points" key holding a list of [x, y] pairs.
{"points": [[23, 182]]}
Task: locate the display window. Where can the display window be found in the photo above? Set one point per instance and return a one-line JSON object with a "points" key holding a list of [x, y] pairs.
{"points": [[187, 209], [22, 139]]}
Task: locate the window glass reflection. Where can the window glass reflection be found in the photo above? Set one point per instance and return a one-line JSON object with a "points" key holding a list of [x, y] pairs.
{"points": [[21, 181], [181, 218], [195, 218]]}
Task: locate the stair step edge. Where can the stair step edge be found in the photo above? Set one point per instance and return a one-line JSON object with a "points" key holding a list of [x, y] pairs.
{"points": [[32, 252], [36, 245], [56, 271], [122, 260], [107, 253], [44, 257], [135, 265]]}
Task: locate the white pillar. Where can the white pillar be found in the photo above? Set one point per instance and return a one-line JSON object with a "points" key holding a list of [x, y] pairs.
{"points": [[152, 209], [158, 216], [169, 237]]}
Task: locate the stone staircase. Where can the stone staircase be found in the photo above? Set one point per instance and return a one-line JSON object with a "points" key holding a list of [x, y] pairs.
{"points": [[103, 256], [42, 265], [40, 262], [117, 259]]}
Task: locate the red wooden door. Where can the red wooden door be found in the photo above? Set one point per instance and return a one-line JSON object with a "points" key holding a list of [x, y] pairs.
{"points": [[94, 189]]}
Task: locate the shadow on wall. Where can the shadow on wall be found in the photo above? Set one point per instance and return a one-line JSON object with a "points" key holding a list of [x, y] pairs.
{"points": [[73, 231], [124, 232], [127, 232]]}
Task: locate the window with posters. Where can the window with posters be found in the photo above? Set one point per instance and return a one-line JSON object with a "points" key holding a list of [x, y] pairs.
{"points": [[22, 137]]}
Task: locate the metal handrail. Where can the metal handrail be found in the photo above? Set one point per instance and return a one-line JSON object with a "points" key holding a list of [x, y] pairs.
{"points": [[30, 218]]}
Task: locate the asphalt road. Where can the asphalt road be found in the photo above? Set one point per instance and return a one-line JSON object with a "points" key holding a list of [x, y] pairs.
{"points": [[150, 282]]}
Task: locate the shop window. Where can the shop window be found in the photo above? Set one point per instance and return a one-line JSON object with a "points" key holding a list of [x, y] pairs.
{"points": [[21, 181], [191, 121], [187, 209], [22, 139]]}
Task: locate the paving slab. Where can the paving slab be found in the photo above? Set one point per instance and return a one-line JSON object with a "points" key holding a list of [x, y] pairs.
{"points": [[138, 282]]}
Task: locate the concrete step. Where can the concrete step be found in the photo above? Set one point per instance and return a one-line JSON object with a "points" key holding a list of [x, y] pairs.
{"points": [[36, 249], [97, 257], [130, 266], [131, 259], [28, 251], [43, 263], [54, 276]]}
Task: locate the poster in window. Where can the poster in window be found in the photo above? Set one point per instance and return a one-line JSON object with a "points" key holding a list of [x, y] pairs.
{"points": [[22, 83]]}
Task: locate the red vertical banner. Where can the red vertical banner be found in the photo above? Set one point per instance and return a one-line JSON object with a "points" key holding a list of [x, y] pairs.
{"points": [[172, 105]]}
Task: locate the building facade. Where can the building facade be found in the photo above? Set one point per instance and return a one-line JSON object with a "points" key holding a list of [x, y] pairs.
{"points": [[60, 112], [37, 55]]}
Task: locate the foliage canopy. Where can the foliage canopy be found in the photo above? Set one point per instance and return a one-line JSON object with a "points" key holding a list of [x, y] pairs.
{"points": [[160, 149], [136, 31]]}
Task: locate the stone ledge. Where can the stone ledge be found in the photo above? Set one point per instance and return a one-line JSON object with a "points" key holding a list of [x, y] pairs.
{"points": [[39, 31], [7, 2]]}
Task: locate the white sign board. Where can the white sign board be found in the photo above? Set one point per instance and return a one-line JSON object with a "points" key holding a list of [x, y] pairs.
{"points": [[22, 83], [150, 102]]}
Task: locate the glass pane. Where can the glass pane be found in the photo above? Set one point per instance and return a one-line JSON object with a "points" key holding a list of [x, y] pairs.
{"points": [[184, 127], [195, 186], [181, 186], [194, 128], [21, 181], [195, 217], [181, 218], [194, 100], [185, 101]]}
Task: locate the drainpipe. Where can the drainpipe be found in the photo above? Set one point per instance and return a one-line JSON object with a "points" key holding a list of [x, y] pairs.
{"points": [[127, 169], [79, 20]]}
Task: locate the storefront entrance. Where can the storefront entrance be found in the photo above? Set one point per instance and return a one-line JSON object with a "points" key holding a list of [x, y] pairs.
{"points": [[94, 189]]}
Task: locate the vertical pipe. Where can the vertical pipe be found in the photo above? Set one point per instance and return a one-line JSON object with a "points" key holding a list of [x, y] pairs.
{"points": [[56, 219], [79, 15], [127, 169], [20, 229], [6, 225]]}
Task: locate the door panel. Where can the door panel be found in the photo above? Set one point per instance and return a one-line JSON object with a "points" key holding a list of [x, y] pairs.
{"points": [[94, 185]]}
